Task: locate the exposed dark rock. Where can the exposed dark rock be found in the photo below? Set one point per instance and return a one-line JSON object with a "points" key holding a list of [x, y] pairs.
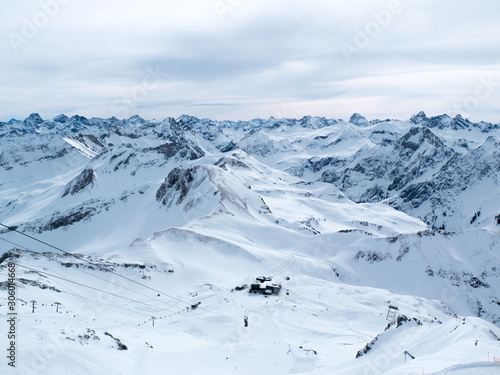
{"points": [[3, 285], [402, 252], [475, 217], [82, 181], [475, 282], [121, 346], [83, 212], [229, 147], [34, 120], [90, 334], [402, 319], [182, 149], [178, 180], [233, 162], [372, 256]]}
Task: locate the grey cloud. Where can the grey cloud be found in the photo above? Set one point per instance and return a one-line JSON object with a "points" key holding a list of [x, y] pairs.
{"points": [[261, 56]]}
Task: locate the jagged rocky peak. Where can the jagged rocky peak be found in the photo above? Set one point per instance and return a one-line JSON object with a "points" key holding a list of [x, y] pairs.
{"points": [[62, 118], [418, 135], [84, 180], [136, 120], [358, 120], [460, 123], [442, 121], [34, 120], [206, 128], [311, 122], [113, 121], [188, 121], [80, 119], [181, 148], [419, 117]]}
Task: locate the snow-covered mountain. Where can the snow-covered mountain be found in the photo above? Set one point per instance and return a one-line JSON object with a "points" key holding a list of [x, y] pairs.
{"points": [[350, 217]]}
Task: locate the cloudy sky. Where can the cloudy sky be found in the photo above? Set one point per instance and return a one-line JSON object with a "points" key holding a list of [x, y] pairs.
{"points": [[242, 59]]}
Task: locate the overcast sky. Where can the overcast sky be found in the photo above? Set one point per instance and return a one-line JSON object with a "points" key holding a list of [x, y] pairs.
{"points": [[242, 59]]}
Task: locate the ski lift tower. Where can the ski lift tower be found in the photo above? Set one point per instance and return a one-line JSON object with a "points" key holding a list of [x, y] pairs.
{"points": [[392, 313]]}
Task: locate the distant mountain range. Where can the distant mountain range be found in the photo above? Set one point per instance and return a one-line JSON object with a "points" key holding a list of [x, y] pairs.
{"points": [[410, 206]]}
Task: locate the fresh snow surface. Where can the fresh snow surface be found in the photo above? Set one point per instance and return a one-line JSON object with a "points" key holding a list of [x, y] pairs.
{"points": [[172, 220]]}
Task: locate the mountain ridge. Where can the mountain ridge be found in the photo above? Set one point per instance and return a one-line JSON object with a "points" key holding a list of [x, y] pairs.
{"points": [[387, 211]]}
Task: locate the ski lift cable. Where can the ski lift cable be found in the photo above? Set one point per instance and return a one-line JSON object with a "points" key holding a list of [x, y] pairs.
{"points": [[14, 229], [114, 306], [101, 278], [103, 303], [148, 315], [91, 287]]}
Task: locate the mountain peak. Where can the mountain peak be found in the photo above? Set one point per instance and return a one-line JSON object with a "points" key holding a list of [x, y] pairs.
{"points": [[187, 119], [489, 144], [80, 118], [136, 120], [419, 117], [359, 120], [62, 118], [34, 120]]}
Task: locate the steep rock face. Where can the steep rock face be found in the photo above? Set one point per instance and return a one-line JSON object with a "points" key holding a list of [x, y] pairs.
{"points": [[33, 122], [77, 124], [456, 189], [91, 142], [27, 149], [83, 212], [84, 180], [446, 122], [205, 128], [62, 118], [440, 122], [389, 168], [419, 151], [177, 185], [181, 149]]}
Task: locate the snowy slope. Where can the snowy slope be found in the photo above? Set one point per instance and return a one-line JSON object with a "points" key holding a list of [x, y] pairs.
{"points": [[184, 211]]}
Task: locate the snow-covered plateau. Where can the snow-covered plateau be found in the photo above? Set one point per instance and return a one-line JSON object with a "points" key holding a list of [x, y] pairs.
{"points": [[136, 245]]}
